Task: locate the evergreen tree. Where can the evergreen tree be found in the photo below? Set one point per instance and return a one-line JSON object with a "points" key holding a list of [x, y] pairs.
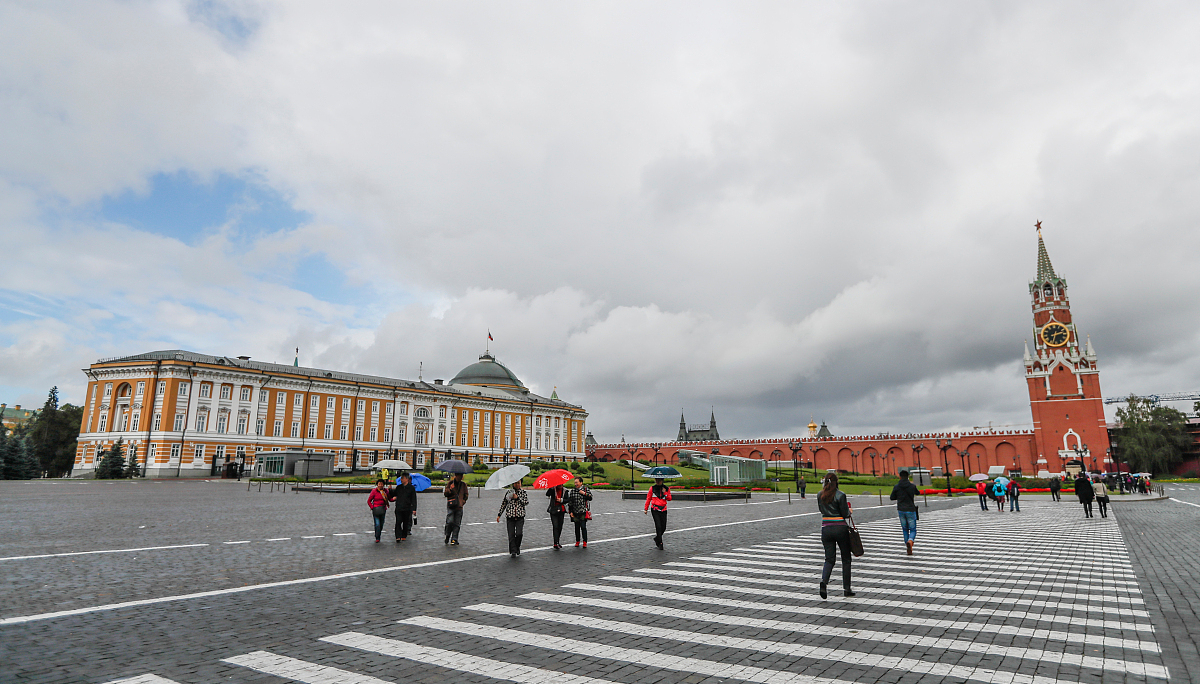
{"points": [[428, 464], [3, 445], [112, 464], [30, 468], [53, 435], [132, 469], [10, 456], [1152, 438]]}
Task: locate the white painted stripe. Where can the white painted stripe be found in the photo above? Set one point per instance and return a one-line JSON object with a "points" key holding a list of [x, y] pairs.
{"points": [[143, 679], [462, 662], [300, 670], [824, 653], [237, 542], [344, 534], [1098, 566], [315, 536], [280, 539], [977, 593], [1050, 571], [952, 548], [980, 584], [1189, 503], [816, 609], [850, 615], [89, 553]]}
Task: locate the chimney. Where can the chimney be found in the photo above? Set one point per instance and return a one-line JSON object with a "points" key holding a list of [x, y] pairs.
{"points": [[17, 407], [437, 382], [243, 358]]}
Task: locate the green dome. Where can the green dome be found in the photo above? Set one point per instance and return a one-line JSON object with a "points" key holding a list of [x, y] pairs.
{"points": [[488, 372]]}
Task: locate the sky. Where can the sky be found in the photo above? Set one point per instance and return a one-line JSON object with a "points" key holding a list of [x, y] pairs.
{"points": [[774, 211]]}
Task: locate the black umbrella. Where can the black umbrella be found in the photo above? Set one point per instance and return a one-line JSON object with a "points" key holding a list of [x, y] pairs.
{"points": [[453, 466]]}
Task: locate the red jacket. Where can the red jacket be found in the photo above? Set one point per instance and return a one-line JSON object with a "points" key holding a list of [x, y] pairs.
{"points": [[377, 498], [981, 488], [658, 504]]}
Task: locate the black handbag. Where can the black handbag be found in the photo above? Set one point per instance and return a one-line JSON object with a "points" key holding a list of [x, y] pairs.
{"points": [[856, 545]]}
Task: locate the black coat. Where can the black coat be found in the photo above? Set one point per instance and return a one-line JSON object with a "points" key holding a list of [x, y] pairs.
{"points": [[405, 497], [903, 494], [1083, 490]]}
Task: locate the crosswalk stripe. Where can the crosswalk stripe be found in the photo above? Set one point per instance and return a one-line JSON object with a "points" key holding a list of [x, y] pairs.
{"points": [[734, 557], [300, 670], [953, 548], [814, 609], [143, 679], [825, 653], [982, 582], [808, 628], [1097, 568], [975, 595], [462, 662]]}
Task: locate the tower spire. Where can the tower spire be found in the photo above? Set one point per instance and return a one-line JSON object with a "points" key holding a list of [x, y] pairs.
{"points": [[1045, 270]]}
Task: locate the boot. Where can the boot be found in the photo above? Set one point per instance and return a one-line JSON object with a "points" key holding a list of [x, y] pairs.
{"points": [[824, 593], [909, 544]]}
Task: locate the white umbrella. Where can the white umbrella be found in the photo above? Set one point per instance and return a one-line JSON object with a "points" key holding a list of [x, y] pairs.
{"points": [[506, 476], [978, 477], [391, 464]]}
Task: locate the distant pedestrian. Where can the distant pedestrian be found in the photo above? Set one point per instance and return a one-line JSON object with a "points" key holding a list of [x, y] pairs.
{"points": [[1085, 493], [981, 489], [802, 487], [1055, 489], [835, 532], [377, 501], [1014, 496], [998, 494], [656, 505], [579, 504], [456, 493], [512, 507], [557, 510], [904, 494], [404, 494], [1101, 493]]}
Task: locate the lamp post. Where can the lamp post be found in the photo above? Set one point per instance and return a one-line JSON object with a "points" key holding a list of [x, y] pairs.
{"points": [[657, 446], [631, 449], [917, 449], [1081, 454], [945, 463], [854, 459], [795, 447], [507, 452], [873, 454], [962, 455]]}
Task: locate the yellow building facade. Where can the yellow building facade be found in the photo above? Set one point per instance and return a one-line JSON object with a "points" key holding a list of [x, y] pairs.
{"points": [[183, 414]]}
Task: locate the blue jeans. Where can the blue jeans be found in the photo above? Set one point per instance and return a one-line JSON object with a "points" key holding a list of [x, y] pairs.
{"points": [[1012, 502], [908, 525], [378, 518]]}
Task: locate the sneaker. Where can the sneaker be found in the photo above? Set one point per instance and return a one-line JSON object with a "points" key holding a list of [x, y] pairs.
{"points": [[557, 547], [376, 541], [576, 544], [453, 542], [512, 555], [585, 545]]}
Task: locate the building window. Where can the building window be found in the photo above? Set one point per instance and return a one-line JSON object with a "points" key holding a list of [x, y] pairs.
{"points": [[345, 404], [259, 426], [222, 419], [475, 417], [202, 422], [278, 428], [295, 429], [403, 409], [280, 398], [226, 391], [441, 412], [124, 421], [507, 443], [314, 401], [299, 399], [108, 389], [312, 430], [241, 425], [162, 387], [183, 389], [487, 421], [262, 397], [103, 422], [537, 421], [141, 388], [375, 408], [388, 409], [373, 433], [245, 394], [205, 390], [328, 431], [362, 405], [157, 421], [422, 412], [220, 451], [176, 450], [441, 435], [420, 460], [474, 440], [178, 422], [387, 434], [198, 453], [358, 433], [420, 437], [343, 432], [403, 433], [241, 453], [136, 416], [462, 439], [328, 403], [150, 453], [574, 445]]}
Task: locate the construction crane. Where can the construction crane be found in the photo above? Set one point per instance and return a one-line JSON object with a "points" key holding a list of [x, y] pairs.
{"points": [[1156, 398]]}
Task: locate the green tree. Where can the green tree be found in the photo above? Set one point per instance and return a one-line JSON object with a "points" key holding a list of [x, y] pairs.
{"points": [[10, 456], [428, 465], [30, 468], [53, 435], [112, 464], [1152, 438], [131, 464]]}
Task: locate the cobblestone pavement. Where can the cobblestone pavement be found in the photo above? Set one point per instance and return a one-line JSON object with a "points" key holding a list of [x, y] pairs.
{"points": [[733, 597]]}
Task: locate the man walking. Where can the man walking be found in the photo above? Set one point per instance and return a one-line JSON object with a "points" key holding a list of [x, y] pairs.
{"points": [[1014, 495], [800, 486], [456, 493], [405, 496], [1055, 488], [904, 494], [512, 506], [557, 510]]}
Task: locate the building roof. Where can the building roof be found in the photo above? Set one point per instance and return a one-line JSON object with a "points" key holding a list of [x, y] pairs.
{"points": [[498, 391], [488, 372]]}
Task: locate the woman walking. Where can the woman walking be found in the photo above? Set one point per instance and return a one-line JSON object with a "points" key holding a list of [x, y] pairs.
{"points": [[557, 510], [1101, 493], [835, 532], [377, 501], [512, 506], [1014, 496], [456, 493], [405, 496], [1083, 490], [656, 504], [904, 494], [578, 503], [998, 494]]}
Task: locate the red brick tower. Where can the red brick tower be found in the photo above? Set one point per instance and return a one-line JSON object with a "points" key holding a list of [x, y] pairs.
{"points": [[1064, 381]]}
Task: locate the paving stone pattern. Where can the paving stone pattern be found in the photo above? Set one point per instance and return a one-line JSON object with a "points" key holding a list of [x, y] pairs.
{"points": [[977, 603]]}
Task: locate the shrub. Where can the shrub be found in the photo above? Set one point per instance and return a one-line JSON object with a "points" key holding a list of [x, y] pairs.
{"points": [[576, 467]]}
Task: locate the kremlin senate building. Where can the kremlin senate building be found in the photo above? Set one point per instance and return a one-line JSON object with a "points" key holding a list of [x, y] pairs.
{"points": [[186, 414]]}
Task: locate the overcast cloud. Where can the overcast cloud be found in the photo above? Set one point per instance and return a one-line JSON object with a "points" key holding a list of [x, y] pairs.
{"points": [[780, 210]]}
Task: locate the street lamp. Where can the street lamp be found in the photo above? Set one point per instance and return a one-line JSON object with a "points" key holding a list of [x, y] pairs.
{"points": [[657, 448], [1081, 454], [962, 455], [917, 449], [631, 449], [854, 458], [795, 447], [945, 463], [874, 453]]}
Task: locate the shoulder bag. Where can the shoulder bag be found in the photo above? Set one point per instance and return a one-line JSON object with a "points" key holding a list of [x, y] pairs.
{"points": [[856, 546]]}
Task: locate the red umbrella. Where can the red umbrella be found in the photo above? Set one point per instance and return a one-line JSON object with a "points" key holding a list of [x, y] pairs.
{"points": [[553, 478]]}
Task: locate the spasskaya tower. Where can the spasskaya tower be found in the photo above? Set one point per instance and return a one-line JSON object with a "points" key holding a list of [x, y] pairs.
{"points": [[1063, 379]]}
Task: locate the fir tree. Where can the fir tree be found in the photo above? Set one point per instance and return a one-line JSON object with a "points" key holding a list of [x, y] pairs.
{"points": [[131, 466], [10, 456], [3, 445], [112, 465], [30, 468]]}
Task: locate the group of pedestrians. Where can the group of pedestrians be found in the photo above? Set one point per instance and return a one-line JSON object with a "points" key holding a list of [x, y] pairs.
{"points": [[1088, 491], [998, 491]]}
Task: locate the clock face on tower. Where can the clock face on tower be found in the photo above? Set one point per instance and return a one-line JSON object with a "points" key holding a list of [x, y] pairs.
{"points": [[1055, 334]]}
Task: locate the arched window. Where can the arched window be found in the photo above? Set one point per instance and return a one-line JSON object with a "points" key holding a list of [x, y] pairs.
{"points": [[1048, 291], [422, 412]]}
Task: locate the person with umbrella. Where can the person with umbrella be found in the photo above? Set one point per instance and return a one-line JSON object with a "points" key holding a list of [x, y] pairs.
{"points": [[404, 494], [456, 493], [835, 532], [905, 494], [1083, 490], [377, 501], [656, 504], [981, 489], [512, 507], [557, 510], [578, 504]]}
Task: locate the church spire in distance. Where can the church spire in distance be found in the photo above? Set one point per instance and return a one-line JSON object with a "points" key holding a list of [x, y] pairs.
{"points": [[1045, 270]]}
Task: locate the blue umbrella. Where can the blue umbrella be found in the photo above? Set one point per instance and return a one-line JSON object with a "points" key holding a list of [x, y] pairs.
{"points": [[420, 482], [662, 472]]}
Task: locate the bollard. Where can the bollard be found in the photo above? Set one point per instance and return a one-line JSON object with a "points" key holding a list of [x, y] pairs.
{"points": [[881, 497], [789, 498], [260, 486]]}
